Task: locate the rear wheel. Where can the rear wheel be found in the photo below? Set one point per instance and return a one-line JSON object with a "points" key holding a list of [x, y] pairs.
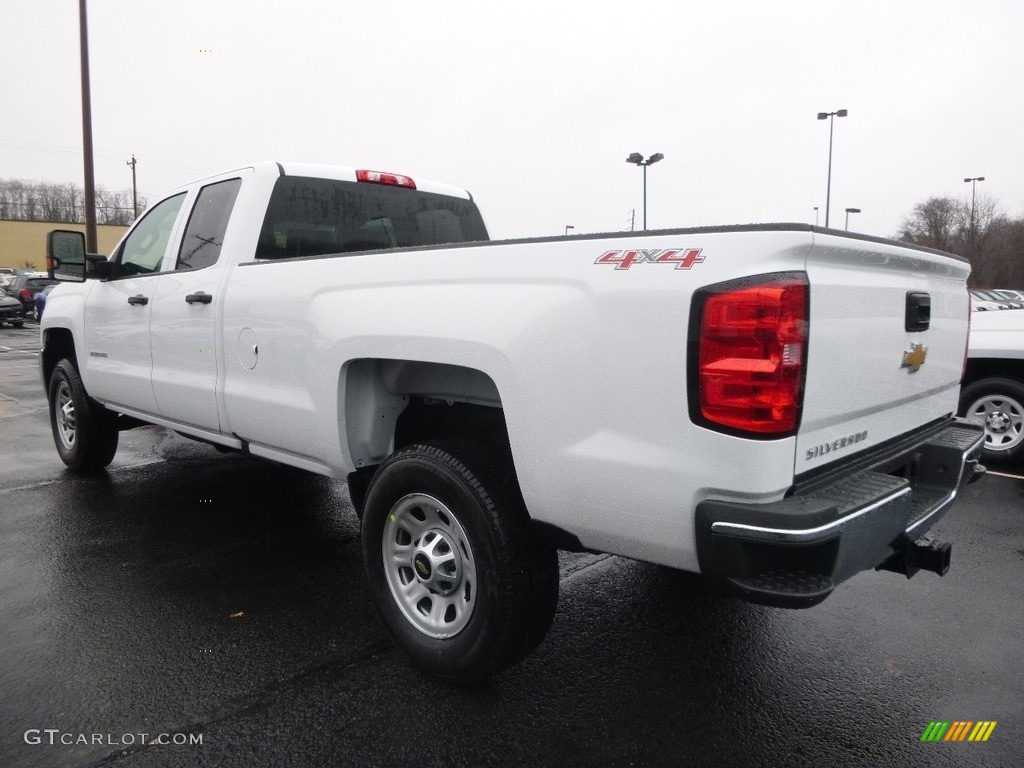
{"points": [[461, 581], [85, 434], [997, 403]]}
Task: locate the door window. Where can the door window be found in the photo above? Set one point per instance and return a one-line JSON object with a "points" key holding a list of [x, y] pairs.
{"points": [[144, 249], [204, 235]]}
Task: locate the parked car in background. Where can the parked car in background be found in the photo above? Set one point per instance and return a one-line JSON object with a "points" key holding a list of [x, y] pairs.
{"points": [[983, 305], [993, 386], [25, 287], [40, 302], [11, 311], [1012, 294], [1002, 298]]}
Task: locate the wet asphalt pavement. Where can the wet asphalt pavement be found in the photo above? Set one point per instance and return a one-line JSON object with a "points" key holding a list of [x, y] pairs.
{"points": [[189, 595]]}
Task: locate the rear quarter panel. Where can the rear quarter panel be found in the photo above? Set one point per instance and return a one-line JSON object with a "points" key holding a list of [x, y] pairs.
{"points": [[590, 362]]}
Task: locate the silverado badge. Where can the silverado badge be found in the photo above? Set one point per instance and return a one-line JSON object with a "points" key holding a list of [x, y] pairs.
{"points": [[915, 358]]}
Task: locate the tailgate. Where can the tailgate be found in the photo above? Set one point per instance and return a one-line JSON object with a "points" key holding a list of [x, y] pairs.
{"points": [[888, 330]]}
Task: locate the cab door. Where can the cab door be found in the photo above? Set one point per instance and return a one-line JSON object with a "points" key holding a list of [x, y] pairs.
{"points": [[185, 309], [117, 366]]}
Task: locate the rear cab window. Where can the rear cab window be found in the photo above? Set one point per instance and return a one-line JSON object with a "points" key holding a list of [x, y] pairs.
{"points": [[312, 217]]}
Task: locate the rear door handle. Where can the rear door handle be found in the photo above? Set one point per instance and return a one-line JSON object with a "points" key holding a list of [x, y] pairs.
{"points": [[199, 298], [139, 299]]}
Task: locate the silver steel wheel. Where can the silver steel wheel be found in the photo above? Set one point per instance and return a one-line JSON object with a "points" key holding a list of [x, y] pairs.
{"points": [[64, 409], [1003, 419], [429, 566]]}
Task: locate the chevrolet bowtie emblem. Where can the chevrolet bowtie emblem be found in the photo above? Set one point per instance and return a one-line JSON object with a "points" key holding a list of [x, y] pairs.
{"points": [[915, 358]]}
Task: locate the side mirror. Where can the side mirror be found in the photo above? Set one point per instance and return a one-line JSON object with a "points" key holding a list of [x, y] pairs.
{"points": [[65, 255], [96, 265]]}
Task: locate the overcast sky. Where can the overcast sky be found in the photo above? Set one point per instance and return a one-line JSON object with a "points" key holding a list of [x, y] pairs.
{"points": [[534, 106]]}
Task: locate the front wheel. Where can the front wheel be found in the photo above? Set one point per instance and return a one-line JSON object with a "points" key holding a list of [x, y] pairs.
{"points": [[85, 434], [997, 403], [461, 581]]}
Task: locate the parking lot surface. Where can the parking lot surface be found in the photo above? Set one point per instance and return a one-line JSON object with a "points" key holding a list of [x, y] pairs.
{"points": [[188, 608]]}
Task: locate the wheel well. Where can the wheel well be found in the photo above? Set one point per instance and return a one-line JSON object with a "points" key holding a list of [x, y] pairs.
{"points": [[58, 343], [984, 367], [392, 403], [427, 419], [389, 404]]}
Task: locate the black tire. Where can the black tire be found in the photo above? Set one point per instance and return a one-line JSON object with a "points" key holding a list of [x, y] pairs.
{"points": [[18, 323], [997, 403], [475, 589], [83, 431]]}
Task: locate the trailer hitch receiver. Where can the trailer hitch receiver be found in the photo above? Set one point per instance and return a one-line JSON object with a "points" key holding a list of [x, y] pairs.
{"points": [[925, 554]]}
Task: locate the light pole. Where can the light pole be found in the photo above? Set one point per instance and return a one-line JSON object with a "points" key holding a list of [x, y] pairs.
{"points": [[637, 159], [831, 121], [974, 183], [568, 227], [848, 212]]}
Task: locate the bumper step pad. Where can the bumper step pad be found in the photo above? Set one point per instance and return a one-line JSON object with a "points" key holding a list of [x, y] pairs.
{"points": [[789, 587]]}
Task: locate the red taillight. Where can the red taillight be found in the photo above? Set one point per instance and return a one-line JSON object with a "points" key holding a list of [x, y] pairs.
{"points": [[25, 294], [391, 179], [753, 343]]}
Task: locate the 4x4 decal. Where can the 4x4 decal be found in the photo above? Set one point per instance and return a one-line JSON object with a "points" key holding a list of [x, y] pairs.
{"points": [[683, 258]]}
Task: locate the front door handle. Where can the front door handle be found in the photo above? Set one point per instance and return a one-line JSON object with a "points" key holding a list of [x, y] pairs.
{"points": [[139, 299], [199, 298]]}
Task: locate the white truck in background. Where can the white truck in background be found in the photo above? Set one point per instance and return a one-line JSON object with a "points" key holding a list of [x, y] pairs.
{"points": [[770, 406], [993, 385]]}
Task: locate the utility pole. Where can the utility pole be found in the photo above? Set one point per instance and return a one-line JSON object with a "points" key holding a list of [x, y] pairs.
{"points": [[135, 189], [90, 179]]}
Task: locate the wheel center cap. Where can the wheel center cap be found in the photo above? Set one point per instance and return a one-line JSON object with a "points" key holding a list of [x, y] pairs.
{"points": [[998, 421], [422, 565], [437, 563]]}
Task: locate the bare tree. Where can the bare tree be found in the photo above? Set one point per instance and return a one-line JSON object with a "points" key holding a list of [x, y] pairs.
{"points": [[935, 223], [999, 262], [36, 201], [993, 243]]}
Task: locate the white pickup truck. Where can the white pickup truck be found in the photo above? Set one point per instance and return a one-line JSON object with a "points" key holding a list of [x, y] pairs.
{"points": [[770, 406]]}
